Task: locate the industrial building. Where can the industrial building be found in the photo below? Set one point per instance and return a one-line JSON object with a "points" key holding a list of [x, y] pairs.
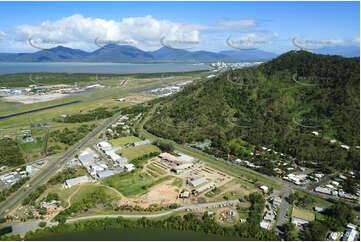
{"points": [[203, 188], [194, 182], [104, 174], [86, 158], [104, 146], [142, 142], [75, 181], [129, 167]]}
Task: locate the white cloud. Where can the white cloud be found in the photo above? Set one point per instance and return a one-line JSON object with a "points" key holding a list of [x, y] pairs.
{"points": [[77, 31], [251, 40], [2, 35], [81, 32]]}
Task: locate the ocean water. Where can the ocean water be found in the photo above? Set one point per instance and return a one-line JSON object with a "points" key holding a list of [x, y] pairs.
{"points": [[109, 68]]}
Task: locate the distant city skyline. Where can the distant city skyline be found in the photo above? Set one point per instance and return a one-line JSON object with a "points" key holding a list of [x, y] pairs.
{"points": [[212, 26]]}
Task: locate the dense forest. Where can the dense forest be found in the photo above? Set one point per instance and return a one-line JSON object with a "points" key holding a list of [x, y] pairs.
{"points": [[10, 153], [277, 104]]}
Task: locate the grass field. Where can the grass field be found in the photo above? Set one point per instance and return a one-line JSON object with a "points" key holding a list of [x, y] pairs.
{"points": [[177, 182], [156, 169], [89, 188], [137, 151], [303, 214], [133, 184], [34, 146], [124, 140]]}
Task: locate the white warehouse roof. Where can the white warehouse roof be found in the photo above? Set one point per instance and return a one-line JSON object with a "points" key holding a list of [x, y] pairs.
{"points": [[197, 181], [76, 181]]}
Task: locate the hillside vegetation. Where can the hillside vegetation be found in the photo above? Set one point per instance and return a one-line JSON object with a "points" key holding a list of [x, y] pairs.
{"points": [[278, 105]]}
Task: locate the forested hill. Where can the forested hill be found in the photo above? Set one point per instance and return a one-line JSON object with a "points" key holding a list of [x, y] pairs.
{"points": [[277, 104]]}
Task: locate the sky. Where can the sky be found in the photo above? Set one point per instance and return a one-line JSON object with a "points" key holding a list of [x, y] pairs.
{"points": [[214, 26]]}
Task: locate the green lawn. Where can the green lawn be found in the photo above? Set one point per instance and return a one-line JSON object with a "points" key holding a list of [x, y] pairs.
{"points": [[34, 146], [137, 151], [89, 188], [124, 140], [318, 201], [132, 184]]}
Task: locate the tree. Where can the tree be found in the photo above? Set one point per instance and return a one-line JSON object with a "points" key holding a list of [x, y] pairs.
{"points": [[315, 231], [290, 231], [42, 224]]}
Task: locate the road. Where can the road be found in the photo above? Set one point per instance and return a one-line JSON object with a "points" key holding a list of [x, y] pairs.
{"points": [[22, 228], [39, 178], [101, 154], [191, 206], [282, 218], [323, 181], [277, 180]]}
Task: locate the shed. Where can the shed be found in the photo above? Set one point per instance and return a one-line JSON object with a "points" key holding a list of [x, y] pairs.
{"points": [[264, 188]]}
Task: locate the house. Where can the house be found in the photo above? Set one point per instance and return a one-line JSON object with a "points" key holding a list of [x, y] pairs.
{"points": [[351, 226], [265, 225], [197, 181], [333, 236], [210, 213], [330, 186], [75, 181], [86, 158], [301, 216], [346, 147], [129, 167], [319, 209], [350, 235], [29, 170], [104, 174], [319, 175], [323, 190], [238, 160], [29, 139], [268, 218], [276, 201], [264, 189]]}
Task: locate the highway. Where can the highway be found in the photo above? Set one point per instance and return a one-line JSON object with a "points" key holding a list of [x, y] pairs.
{"points": [[277, 180], [39, 178]]}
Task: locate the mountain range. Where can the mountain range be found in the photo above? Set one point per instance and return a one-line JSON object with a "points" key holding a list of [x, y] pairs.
{"points": [[126, 53], [130, 54], [277, 104]]}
